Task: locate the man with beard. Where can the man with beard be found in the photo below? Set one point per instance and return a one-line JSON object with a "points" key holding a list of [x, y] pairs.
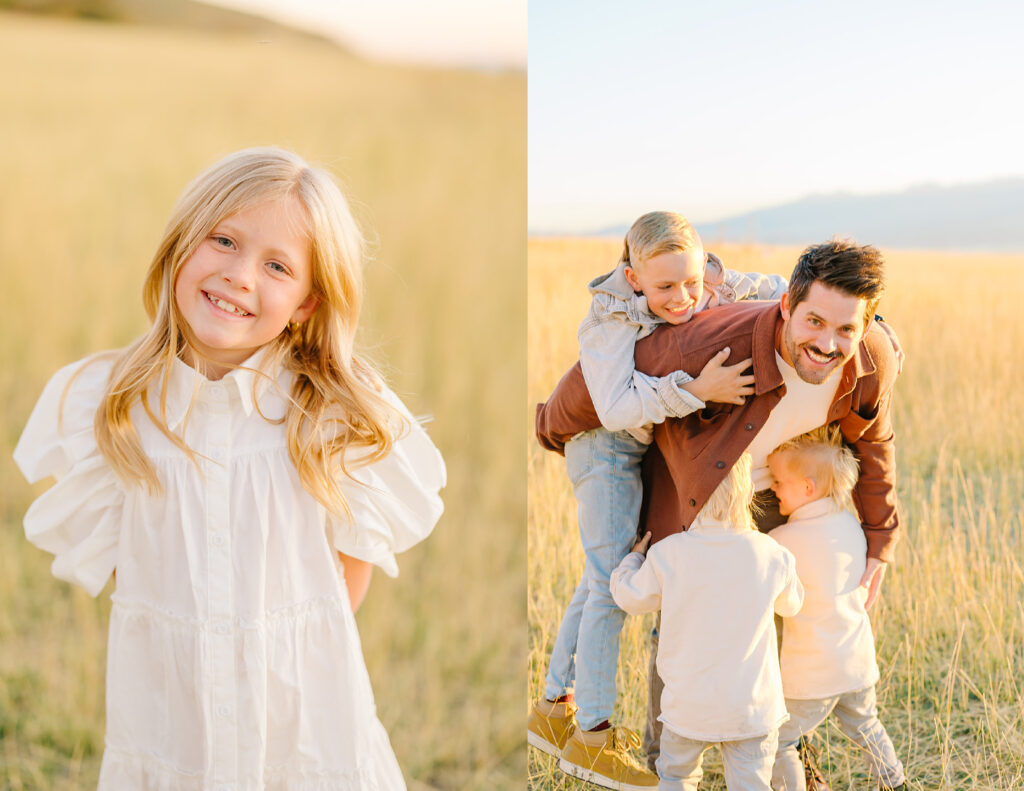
{"points": [[817, 358]]}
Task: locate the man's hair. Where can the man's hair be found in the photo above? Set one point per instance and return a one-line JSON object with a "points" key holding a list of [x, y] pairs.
{"points": [[840, 264], [655, 233], [821, 456]]}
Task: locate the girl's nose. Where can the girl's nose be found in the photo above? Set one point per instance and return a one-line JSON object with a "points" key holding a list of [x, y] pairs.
{"points": [[239, 273]]}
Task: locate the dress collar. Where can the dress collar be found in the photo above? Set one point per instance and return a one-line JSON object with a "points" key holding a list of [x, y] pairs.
{"points": [[186, 386]]}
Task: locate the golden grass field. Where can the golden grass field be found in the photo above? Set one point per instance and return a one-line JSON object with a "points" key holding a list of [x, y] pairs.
{"points": [[950, 623], [103, 126]]}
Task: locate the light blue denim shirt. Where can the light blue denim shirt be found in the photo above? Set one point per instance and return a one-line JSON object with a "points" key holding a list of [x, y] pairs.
{"points": [[627, 399]]}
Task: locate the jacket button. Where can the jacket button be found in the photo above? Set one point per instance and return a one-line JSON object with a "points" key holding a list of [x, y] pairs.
{"points": [[720, 464], [749, 427], [693, 502]]}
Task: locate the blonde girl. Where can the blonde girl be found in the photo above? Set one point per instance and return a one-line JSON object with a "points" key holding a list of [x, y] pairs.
{"points": [[241, 468], [718, 586]]}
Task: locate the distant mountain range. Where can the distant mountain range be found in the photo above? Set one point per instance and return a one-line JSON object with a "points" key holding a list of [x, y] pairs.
{"points": [[986, 216]]}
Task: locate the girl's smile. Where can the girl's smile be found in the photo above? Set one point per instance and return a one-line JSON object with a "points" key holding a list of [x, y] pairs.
{"points": [[245, 282]]}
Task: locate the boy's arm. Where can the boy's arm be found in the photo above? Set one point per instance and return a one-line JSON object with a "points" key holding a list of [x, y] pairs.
{"points": [[623, 397], [752, 285], [635, 585]]}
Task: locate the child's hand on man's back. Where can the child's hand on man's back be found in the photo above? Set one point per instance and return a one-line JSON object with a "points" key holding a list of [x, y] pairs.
{"points": [[641, 545]]}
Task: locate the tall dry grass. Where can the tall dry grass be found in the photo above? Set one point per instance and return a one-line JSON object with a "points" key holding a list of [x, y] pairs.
{"points": [[950, 623], [102, 127]]}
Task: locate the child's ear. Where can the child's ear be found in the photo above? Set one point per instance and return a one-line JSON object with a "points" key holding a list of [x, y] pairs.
{"points": [[810, 489], [632, 279], [305, 309]]}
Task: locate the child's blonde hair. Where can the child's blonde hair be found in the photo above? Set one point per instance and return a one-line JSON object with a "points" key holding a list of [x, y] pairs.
{"points": [[730, 501], [335, 402], [656, 233], [821, 456]]}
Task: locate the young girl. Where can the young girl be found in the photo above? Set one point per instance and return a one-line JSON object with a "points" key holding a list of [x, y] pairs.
{"points": [[717, 586], [664, 276], [240, 467]]}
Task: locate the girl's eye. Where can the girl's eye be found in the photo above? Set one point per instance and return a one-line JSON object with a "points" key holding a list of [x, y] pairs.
{"points": [[277, 267], [223, 241]]}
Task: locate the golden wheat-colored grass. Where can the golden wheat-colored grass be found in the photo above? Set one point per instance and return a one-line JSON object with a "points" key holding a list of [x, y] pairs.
{"points": [[950, 624], [103, 126]]}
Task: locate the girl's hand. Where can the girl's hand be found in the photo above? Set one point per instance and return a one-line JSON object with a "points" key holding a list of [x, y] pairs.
{"points": [[722, 383], [641, 545]]}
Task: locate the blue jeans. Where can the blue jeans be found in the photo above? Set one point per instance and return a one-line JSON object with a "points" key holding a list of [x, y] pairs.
{"points": [[604, 468]]}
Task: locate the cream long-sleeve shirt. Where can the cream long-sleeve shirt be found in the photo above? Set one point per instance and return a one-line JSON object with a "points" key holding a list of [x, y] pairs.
{"points": [[718, 588], [234, 662], [828, 647]]}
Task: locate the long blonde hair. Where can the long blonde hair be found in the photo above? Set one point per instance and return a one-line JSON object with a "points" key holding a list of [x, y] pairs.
{"points": [[821, 456], [336, 402], [730, 501]]}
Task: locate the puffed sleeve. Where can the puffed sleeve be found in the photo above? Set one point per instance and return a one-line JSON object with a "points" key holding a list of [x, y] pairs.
{"points": [[79, 518], [394, 502]]}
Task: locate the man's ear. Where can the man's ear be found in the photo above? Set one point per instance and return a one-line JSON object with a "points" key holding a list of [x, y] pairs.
{"points": [[784, 304], [632, 279], [305, 309]]}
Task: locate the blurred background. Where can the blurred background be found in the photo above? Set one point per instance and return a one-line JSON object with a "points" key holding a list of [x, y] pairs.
{"points": [[109, 107]]}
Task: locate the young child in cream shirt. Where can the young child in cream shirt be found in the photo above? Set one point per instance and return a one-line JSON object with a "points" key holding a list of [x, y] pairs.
{"points": [[828, 651], [718, 586]]}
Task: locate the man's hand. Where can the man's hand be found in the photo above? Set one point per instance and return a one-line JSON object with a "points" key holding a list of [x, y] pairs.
{"points": [[900, 355], [872, 580], [641, 545]]}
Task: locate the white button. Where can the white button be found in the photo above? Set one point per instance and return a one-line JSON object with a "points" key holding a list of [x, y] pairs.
{"points": [[224, 711], [217, 539], [223, 628], [217, 390]]}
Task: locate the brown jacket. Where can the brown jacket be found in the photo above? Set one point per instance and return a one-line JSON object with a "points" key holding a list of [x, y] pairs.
{"points": [[691, 455]]}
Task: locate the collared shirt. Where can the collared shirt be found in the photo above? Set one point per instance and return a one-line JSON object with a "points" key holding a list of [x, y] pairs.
{"points": [[234, 658], [690, 456], [717, 587], [828, 648]]}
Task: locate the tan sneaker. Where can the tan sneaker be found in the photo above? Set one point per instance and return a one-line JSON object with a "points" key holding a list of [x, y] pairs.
{"points": [[603, 758], [549, 725]]}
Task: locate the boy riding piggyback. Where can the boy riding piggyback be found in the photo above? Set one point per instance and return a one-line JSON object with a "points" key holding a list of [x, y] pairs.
{"points": [[663, 277]]}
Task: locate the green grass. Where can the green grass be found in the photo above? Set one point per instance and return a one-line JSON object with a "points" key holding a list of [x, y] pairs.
{"points": [[949, 626], [103, 126]]}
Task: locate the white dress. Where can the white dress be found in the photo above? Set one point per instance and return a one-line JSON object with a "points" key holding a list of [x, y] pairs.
{"points": [[234, 661]]}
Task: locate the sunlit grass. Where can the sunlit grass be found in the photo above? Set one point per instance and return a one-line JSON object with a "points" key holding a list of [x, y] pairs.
{"points": [[103, 126], [950, 625]]}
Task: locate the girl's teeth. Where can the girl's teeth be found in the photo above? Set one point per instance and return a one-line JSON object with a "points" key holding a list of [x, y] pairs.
{"points": [[227, 306]]}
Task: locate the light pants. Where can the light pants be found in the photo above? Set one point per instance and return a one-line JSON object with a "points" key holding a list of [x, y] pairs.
{"points": [[747, 762], [604, 468], [857, 713]]}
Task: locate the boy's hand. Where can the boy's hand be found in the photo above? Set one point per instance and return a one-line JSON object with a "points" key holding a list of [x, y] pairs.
{"points": [[641, 545], [722, 383], [872, 580]]}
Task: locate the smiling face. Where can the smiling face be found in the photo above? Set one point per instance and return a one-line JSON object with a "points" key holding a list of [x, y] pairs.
{"points": [[672, 282], [822, 332], [248, 278]]}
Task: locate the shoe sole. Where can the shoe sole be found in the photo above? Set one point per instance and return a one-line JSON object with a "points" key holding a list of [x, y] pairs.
{"points": [[582, 773], [542, 744]]}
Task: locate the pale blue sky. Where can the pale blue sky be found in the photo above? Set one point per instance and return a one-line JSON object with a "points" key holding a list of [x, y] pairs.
{"points": [[713, 108]]}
